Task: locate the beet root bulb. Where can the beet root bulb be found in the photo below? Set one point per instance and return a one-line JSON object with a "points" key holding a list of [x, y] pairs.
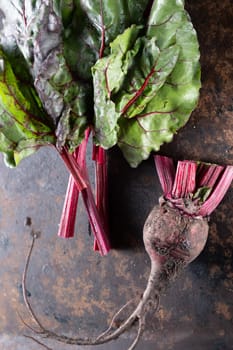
{"points": [[173, 237]]}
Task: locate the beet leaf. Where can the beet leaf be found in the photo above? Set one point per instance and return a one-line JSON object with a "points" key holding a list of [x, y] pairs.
{"points": [[22, 126], [160, 86]]}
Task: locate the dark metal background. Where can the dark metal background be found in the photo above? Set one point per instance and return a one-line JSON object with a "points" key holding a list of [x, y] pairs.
{"points": [[76, 291]]}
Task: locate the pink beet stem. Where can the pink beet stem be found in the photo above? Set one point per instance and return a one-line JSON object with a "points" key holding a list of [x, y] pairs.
{"points": [[166, 173], [209, 175], [218, 193], [99, 155], [185, 179], [68, 217], [96, 222]]}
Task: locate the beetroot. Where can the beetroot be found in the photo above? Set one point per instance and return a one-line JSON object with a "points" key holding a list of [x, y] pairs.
{"points": [[174, 234], [172, 239]]}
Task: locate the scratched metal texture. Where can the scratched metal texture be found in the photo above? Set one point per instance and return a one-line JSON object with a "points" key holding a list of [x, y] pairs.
{"points": [[73, 289]]}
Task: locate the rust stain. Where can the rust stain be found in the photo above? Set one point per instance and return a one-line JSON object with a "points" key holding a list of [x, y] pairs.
{"points": [[186, 318], [221, 332], [228, 284], [224, 310], [215, 270], [188, 283], [73, 298], [164, 314]]}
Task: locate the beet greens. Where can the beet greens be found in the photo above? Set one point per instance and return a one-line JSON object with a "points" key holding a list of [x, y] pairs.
{"points": [[126, 75]]}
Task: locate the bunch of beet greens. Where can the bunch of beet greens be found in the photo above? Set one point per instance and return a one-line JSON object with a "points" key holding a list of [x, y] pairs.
{"points": [[121, 74]]}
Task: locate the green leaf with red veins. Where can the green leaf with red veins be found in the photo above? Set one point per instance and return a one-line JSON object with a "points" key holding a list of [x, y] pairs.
{"points": [[22, 124], [63, 94], [147, 75], [92, 26], [173, 103], [112, 17], [127, 79], [108, 76]]}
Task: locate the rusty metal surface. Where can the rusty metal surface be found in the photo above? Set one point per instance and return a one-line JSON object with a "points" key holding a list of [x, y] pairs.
{"points": [[76, 291]]}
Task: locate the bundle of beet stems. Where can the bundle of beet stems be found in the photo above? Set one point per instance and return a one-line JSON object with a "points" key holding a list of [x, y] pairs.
{"points": [[174, 234]]}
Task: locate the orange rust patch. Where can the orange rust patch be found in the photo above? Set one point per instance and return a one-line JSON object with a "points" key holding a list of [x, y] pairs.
{"points": [[164, 315], [214, 270], [223, 310]]}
